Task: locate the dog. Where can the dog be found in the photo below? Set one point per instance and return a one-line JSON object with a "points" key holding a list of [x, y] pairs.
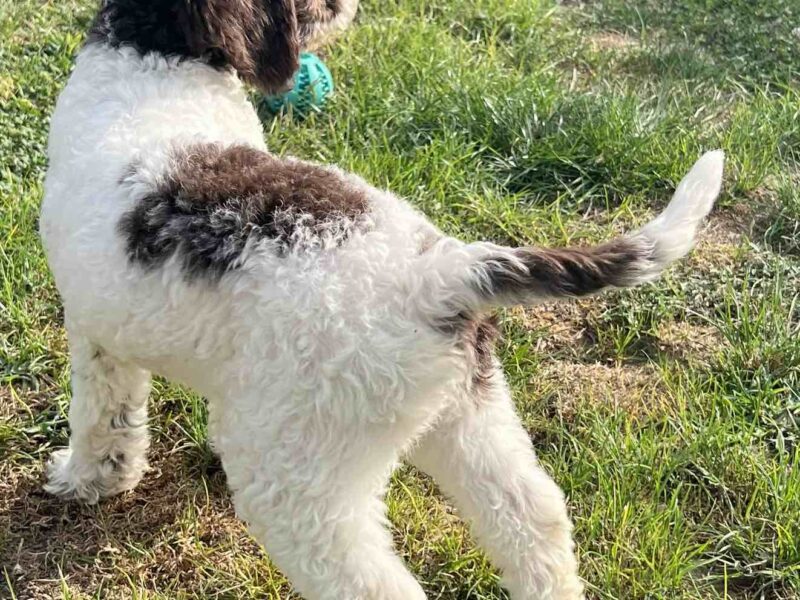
{"points": [[333, 329]]}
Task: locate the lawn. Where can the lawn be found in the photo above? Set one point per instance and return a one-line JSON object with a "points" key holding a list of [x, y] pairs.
{"points": [[670, 415]]}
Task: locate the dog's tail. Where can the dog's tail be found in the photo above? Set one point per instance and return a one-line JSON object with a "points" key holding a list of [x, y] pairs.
{"points": [[466, 278]]}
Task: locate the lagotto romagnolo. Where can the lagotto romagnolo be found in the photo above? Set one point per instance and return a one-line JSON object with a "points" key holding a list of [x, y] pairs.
{"points": [[334, 330]]}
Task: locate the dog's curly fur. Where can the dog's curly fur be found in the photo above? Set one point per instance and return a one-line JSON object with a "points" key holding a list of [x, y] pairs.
{"points": [[217, 200], [333, 329]]}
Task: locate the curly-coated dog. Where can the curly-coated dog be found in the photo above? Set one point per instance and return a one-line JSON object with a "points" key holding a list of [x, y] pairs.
{"points": [[333, 328]]}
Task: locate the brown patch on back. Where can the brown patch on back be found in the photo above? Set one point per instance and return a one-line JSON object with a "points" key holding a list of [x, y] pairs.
{"points": [[210, 174], [216, 199]]}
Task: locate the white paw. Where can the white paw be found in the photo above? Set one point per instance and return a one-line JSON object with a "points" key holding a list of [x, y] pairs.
{"points": [[65, 481], [70, 479]]}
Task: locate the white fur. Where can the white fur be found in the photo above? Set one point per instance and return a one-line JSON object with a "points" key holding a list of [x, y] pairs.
{"points": [[672, 233], [320, 367]]}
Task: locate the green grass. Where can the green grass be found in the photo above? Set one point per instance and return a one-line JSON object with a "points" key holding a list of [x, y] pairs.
{"points": [[670, 415]]}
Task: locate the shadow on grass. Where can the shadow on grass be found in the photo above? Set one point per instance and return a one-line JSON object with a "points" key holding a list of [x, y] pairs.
{"points": [[176, 535], [749, 43], [46, 541]]}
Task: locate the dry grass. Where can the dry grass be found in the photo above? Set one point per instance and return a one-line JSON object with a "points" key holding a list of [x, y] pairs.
{"points": [[690, 342], [560, 327], [635, 389], [164, 536], [612, 40]]}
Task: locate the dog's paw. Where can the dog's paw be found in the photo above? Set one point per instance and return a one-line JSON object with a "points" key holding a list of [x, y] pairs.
{"points": [[69, 481], [88, 481]]}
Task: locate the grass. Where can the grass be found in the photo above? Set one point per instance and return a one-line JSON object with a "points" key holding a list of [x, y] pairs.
{"points": [[670, 415]]}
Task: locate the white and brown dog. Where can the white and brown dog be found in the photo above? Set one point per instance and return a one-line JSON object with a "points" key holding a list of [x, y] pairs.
{"points": [[333, 329]]}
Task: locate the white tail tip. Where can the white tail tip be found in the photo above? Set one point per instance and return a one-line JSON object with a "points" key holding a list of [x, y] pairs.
{"points": [[672, 233]]}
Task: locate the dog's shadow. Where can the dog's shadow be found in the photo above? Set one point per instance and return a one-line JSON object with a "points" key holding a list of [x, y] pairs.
{"points": [[47, 543], [139, 539]]}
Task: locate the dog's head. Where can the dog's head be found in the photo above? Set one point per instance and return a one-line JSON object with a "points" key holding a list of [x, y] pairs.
{"points": [[260, 39]]}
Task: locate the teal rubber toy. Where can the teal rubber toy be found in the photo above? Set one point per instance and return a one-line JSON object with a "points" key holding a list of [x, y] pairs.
{"points": [[312, 87]]}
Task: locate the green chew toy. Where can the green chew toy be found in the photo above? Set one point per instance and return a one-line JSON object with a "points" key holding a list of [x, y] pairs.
{"points": [[313, 85]]}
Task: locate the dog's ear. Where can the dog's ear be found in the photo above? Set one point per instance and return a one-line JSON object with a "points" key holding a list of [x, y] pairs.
{"points": [[321, 20], [258, 38], [262, 39], [278, 56]]}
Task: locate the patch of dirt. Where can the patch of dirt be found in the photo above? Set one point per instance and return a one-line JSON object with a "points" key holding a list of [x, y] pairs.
{"points": [[732, 224], [720, 241], [6, 403], [612, 40], [18, 401], [561, 326], [689, 342], [213, 538], [636, 389], [44, 539]]}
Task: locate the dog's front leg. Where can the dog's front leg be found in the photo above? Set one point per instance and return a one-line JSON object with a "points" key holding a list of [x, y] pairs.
{"points": [[481, 456], [108, 442]]}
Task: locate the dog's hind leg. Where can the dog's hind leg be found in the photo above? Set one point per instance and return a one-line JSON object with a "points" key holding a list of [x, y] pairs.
{"points": [[108, 422], [314, 504], [337, 551], [481, 456]]}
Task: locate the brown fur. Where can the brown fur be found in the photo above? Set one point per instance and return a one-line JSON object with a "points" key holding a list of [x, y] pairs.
{"points": [[217, 198], [479, 337], [313, 14], [260, 39], [566, 272], [316, 11], [211, 173]]}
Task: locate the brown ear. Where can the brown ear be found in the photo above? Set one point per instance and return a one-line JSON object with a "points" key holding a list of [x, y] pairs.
{"points": [[278, 56], [258, 38]]}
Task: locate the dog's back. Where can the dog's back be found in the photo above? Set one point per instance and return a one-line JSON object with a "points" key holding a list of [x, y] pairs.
{"points": [[111, 136], [123, 126]]}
